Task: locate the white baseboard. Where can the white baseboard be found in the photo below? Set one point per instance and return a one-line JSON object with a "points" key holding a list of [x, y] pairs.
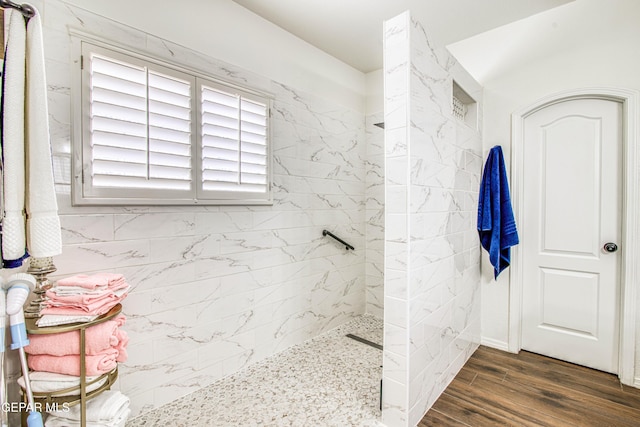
{"points": [[493, 343], [636, 382]]}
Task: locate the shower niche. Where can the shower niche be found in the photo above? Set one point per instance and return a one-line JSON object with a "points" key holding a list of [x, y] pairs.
{"points": [[464, 107]]}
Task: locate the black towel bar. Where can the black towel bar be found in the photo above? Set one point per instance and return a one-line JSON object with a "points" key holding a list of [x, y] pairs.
{"points": [[347, 246]]}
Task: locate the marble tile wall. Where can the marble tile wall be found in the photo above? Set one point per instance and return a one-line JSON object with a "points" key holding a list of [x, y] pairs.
{"points": [[218, 288], [374, 215], [432, 174]]}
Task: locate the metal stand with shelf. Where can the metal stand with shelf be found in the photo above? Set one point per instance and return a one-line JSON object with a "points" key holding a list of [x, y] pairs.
{"points": [[79, 394]]}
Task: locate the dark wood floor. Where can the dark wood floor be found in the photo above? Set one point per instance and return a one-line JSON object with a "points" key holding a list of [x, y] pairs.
{"points": [[501, 389]]}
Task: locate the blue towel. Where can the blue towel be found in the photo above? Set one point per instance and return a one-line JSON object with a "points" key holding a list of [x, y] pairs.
{"points": [[496, 225]]}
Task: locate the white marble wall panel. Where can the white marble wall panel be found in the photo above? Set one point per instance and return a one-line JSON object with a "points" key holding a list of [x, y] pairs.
{"points": [[374, 215], [217, 288], [396, 249], [140, 226], [87, 229], [436, 168]]}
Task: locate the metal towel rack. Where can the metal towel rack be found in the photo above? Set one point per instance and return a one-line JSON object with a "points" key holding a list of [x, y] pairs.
{"points": [[347, 246], [26, 9]]}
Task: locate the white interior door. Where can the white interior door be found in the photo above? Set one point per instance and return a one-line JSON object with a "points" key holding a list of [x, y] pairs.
{"points": [[572, 209]]}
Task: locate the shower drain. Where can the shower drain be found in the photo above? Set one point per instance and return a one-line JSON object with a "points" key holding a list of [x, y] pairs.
{"points": [[364, 341]]}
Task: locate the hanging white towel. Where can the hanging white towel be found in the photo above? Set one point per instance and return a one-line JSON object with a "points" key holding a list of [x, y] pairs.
{"points": [[43, 223], [28, 169], [13, 221]]}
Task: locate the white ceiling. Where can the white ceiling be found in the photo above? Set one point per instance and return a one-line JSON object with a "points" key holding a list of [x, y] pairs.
{"points": [[351, 30], [557, 32]]}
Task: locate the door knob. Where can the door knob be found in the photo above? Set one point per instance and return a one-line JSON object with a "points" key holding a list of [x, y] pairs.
{"points": [[610, 247]]}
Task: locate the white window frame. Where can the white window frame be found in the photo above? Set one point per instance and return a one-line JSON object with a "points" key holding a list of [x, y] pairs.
{"points": [[85, 194]]}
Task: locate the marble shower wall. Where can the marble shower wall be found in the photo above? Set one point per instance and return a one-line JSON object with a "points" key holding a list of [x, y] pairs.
{"points": [[218, 288], [432, 175], [374, 215]]}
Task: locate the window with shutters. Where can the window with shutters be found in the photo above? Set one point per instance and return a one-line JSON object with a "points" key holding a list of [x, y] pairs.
{"points": [[234, 141], [154, 133]]}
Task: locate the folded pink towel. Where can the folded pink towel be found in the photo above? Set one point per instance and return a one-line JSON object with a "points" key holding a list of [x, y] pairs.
{"points": [[78, 299], [98, 338], [70, 365], [92, 281], [78, 290], [120, 319], [86, 304], [95, 308], [123, 340]]}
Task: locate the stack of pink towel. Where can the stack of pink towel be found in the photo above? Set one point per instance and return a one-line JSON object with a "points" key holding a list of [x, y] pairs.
{"points": [[105, 345], [83, 295]]}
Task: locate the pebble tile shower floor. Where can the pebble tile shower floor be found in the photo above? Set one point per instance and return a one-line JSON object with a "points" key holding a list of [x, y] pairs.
{"points": [[331, 380]]}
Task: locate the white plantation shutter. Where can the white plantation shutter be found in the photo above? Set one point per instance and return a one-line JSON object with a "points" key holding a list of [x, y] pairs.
{"points": [[234, 141], [155, 134], [139, 125]]}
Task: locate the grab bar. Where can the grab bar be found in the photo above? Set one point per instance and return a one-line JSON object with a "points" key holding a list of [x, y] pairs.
{"points": [[347, 246]]}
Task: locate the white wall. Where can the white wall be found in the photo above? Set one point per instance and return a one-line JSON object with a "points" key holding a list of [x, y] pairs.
{"points": [[375, 92], [432, 175], [611, 61], [374, 215], [218, 288], [224, 30], [374, 197]]}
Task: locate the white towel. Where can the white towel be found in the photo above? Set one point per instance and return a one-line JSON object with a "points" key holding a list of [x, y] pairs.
{"points": [[13, 221], [62, 319], [28, 169], [47, 382], [121, 421], [43, 223], [107, 408]]}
